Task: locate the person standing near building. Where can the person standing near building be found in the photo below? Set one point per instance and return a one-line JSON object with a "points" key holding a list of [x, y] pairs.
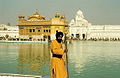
{"points": [[58, 67]]}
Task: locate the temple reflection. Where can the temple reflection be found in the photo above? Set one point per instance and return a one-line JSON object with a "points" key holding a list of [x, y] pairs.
{"points": [[33, 59]]}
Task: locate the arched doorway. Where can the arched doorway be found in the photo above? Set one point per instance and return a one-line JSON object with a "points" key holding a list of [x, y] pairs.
{"points": [[44, 37], [30, 38], [77, 36], [83, 35], [49, 38]]}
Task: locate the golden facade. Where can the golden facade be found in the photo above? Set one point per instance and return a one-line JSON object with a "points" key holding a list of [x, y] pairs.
{"points": [[37, 27]]}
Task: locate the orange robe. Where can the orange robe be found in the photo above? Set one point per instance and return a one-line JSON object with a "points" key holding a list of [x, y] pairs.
{"points": [[58, 68]]}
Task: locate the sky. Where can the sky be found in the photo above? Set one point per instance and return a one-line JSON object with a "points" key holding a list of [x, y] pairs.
{"points": [[97, 12]]}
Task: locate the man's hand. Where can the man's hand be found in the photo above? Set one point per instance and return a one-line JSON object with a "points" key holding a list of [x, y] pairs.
{"points": [[66, 50]]}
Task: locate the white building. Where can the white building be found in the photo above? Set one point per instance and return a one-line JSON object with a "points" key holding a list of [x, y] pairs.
{"points": [[11, 31], [80, 28]]}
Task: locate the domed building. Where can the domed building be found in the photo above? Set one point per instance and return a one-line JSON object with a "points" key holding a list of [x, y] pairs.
{"points": [[8, 32], [37, 27], [80, 28], [36, 17]]}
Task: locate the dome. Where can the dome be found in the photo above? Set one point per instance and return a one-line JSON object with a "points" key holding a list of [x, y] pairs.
{"points": [[36, 16], [79, 20], [85, 21], [72, 22], [62, 16], [57, 15], [79, 12], [21, 15]]}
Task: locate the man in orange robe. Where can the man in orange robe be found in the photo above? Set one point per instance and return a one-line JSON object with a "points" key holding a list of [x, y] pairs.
{"points": [[58, 68]]}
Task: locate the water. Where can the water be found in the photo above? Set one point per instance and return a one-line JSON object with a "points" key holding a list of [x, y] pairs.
{"points": [[29, 59], [87, 59]]}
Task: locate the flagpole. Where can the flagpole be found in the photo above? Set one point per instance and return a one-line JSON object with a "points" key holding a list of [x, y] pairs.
{"points": [[66, 56]]}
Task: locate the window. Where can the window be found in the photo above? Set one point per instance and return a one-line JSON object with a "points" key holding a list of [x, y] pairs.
{"points": [[30, 30], [33, 30], [38, 30], [72, 34], [77, 35], [44, 30], [21, 28]]}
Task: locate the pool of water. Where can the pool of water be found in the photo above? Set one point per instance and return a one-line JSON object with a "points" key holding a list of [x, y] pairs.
{"points": [[87, 59]]}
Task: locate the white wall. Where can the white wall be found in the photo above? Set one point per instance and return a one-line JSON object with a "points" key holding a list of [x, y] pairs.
{"points": [[10, 33]]}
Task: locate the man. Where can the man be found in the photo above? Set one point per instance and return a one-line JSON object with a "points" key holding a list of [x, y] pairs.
{"points": [[58, 68]]}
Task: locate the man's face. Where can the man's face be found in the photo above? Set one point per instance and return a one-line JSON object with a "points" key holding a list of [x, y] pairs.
{"points": [[59, 38]]}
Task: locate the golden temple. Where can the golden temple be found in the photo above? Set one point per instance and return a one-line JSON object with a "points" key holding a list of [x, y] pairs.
{"points": [[37, 27]]}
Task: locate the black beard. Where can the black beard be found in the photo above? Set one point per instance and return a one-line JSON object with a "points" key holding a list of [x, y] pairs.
{"points": [[59, 40]]}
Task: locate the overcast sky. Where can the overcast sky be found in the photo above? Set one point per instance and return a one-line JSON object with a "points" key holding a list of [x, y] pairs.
{"points": [[95, 11]]}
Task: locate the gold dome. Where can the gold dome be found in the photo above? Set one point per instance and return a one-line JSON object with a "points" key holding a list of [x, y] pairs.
{"points": [[62, 16], [36, 16], [57, 15], [21, 16]]}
